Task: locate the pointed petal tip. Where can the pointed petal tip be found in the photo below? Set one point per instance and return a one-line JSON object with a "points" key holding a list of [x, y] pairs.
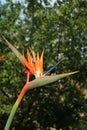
{"points": [[73, 72], [4, 39], [42, 54], [16, 52], [67, 74], [2, 36]]}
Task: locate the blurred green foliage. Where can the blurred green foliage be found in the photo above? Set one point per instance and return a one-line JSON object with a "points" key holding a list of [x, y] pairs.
{"points": [[61, 30]]}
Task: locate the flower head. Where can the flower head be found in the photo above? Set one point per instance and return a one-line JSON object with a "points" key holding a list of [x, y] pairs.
{"points": [[34, 66], [34, 63]]}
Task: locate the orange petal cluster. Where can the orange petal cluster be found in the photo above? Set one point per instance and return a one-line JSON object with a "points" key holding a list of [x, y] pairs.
{"points": [[34, 63]]}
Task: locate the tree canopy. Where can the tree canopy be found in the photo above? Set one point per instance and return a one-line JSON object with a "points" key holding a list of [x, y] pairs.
{"points": [[60, 29]]}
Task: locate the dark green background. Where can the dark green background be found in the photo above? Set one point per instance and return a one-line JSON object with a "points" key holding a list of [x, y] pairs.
{"points": [[61, 30]]}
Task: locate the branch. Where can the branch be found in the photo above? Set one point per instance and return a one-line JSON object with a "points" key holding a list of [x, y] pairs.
{"points": [[6, 94]]}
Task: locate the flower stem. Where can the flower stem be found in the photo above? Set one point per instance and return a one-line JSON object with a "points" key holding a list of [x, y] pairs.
{"points": [[15, 106]]}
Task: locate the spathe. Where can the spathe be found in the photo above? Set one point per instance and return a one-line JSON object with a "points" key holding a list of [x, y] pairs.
{"points": [[47, 80]]}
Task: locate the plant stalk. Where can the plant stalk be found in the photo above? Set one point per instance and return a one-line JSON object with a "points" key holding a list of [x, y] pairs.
{"points": [[15, 106]]}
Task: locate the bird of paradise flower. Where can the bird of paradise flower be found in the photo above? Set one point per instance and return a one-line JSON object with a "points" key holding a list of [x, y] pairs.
{"points": [[34, 66]]}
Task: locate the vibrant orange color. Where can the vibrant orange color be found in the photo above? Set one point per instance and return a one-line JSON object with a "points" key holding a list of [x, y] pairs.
{"points": [[34, 64]]}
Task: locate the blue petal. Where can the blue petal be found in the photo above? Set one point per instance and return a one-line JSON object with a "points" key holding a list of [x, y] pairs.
{"points": [[52, 67]]}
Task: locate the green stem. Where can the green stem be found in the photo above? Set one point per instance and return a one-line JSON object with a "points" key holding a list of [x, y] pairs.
{"points": [[15, 106]]}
